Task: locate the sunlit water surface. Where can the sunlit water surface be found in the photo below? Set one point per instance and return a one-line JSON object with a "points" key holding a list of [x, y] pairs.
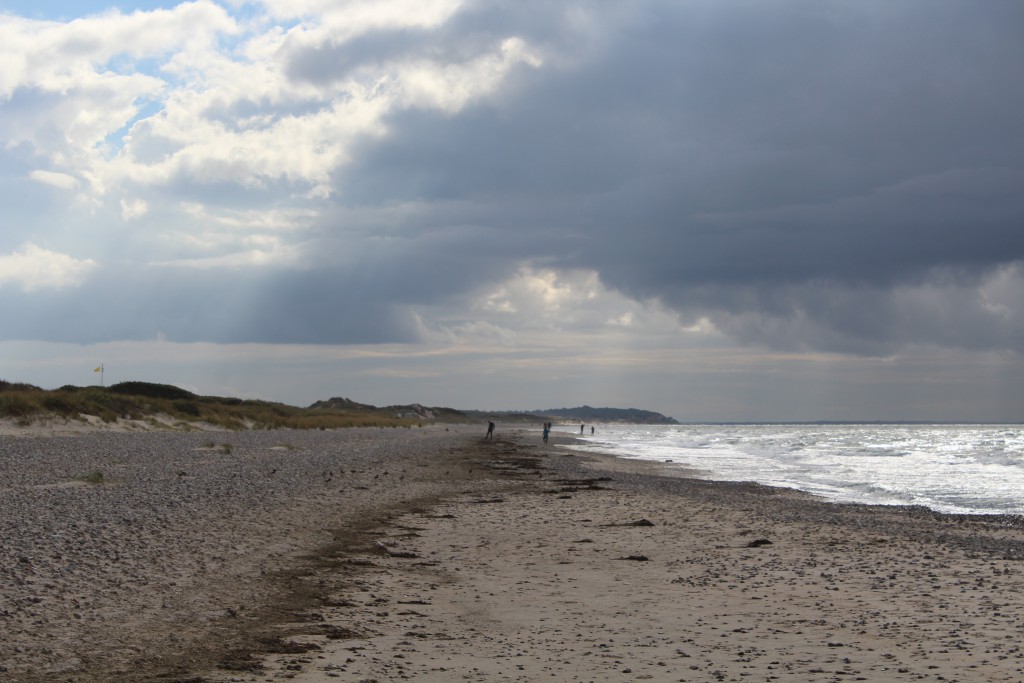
{"points": [[973, 469]]}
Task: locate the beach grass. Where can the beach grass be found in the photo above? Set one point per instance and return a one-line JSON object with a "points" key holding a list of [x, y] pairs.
{"points": [[91, 477], [26, 404]]}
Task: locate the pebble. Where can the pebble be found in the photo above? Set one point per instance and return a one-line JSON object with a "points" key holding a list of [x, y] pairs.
{"points": [[171, 511]]}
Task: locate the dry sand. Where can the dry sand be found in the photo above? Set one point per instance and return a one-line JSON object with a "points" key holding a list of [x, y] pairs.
{"points": [[512, 561]]}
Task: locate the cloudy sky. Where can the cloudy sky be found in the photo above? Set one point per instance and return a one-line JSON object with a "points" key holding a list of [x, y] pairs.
{"points": [[716, 209]]}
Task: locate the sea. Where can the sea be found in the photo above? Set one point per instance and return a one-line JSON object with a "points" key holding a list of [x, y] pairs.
{"points": [[951, 468]]}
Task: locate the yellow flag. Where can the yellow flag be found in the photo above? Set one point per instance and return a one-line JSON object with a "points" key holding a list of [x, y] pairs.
{"points": [[98, 369]]}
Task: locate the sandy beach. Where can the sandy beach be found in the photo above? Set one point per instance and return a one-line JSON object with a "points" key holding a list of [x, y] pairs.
{"points": [[434, 555]]}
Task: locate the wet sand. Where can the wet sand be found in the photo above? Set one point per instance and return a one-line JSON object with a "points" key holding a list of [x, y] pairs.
{"points": [[508, 560]]}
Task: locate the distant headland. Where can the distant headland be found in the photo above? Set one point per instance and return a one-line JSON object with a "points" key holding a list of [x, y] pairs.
{"points": [[584, 413]]}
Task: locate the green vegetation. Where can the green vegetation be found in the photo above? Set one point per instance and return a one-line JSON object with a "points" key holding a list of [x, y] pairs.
{"points": [[184, 410], [93, 477]]}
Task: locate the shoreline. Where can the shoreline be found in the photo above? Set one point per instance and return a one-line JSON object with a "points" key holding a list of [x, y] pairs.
{"points": [[508, 560], [606, 572], [965, 469]]}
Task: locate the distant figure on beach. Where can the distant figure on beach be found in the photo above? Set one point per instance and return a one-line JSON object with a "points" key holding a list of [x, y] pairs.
{"points": [[490, 430], [547, 430], [591, 430], [581, 429]]}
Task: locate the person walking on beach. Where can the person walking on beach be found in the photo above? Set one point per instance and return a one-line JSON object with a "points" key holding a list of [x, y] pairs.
{"points": [[547, 429], [490, 430], [581, 429]]}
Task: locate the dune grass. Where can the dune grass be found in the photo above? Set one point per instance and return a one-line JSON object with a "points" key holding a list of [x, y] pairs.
{"points": [[91, 477], [26, 404]]}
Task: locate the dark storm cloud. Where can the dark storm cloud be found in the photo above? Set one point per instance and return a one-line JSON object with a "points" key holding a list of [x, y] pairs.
{"points": [[475, 29], [353, 289], [328, 62], [807, 174], [830, 157], [184, 305]]}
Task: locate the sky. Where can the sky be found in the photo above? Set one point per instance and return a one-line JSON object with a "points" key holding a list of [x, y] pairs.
{"points": [[715, 209]]}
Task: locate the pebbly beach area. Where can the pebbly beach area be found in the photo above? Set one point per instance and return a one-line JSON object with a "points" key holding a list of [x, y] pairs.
{"points": [[432, 554]]}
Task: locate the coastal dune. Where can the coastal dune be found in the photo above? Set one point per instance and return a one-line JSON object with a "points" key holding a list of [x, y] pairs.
{"points": [[439, 556]]}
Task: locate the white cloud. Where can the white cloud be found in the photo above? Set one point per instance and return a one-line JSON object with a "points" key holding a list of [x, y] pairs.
{"points": [[1000, 293], [349, 18], [451, 87], [80, 56], [252, 220], [253, 236], [544, 298], [272, 254], [71, 87], [478, 333], [542, 312], [81, 95], [133, 208], [60, 56], [61, 181], [297, 133], [35, 268]]}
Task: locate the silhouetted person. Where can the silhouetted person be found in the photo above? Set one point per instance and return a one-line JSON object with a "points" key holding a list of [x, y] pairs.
{"points": [[581, 429], [547, 429], [490, 430]]}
